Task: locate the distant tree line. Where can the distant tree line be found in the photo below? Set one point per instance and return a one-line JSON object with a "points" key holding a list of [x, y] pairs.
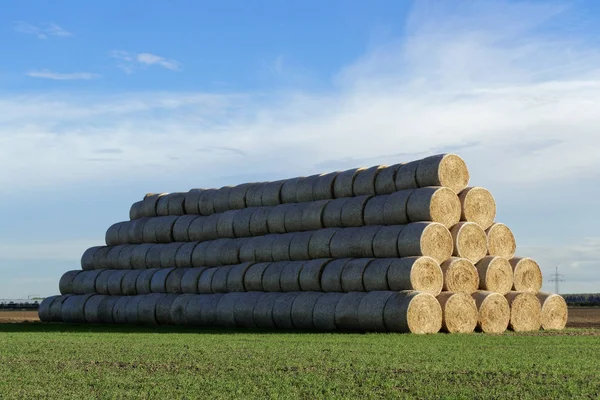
{"points": [[582, 299], [27, 305]]}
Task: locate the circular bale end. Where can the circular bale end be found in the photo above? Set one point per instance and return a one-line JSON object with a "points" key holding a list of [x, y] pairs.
{"points": [[436, 204], [478, 205], [527, 275], [460, 276], [554, 311], [495, 274], [436, 242], [470, 241], [447, 170], [501, 241], [459, 312], [426, 275], [494, 312], [412, 311], [525, 312]]}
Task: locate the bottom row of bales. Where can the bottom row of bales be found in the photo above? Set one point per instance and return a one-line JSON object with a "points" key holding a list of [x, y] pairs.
{"points": [[378, 311]]}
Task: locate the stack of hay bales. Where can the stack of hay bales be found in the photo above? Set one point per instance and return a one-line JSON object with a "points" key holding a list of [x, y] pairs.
{"points": [[402, 248]]}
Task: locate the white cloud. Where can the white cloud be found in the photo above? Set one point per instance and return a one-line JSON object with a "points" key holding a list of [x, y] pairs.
{"points": [[41, 31], [129, 61], [62, 76]]}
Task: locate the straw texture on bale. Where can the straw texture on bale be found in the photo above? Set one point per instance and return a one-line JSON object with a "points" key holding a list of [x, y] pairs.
{"points": [[478, 206], [447, 170], [501, 241], [415, 273], [495, 274], [527, 275], [412, 311], [459, 312], [525, 312], [554, 311], [470, 241], [436, 204], [425, 239], [494, 311], [460, 275]]}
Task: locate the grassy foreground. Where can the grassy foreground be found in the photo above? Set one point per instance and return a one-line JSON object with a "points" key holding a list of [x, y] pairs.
{"points": [[56, 361]]}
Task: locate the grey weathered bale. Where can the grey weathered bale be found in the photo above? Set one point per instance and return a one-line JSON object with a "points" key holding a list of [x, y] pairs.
{"points": [[182, 226], [129, 281], [153, 256], [44, 309], [147, 308], [272, 275], [282, 310], [115, 281], [105, 309], [142, 284], [176, 204], [135, 211], [289, 190], [89, 281], [370, 311], [352, 275], [312, 215], [189, 280], [375, 275], [125, 256], [289, 280], [91, 310], [55, 309], [353, 211], [280, 248], [206, 202], [101, 258], [119, 310], [199, 254], [235, 278], [331, 277], [264, 247], [275, 218], [136, 230], [149, 203], [346, 311], [299, 246], [241, 223], [221, 201], [112, 257], [254, 276], [302, 310], [310, 275], [164, 228], [293, 218], [202, 310], [73, 308], [163, 309], [373, 213], [196, 232], [226, 309], [87, 259], [237, 196], [263, 310], [385, 182], [354, 242], [138, 256], [247, 250], [271, 193], [174, 280], [125, 232], [183, 257], [222, 252], [319, 245], [190, 203], [219, 280], [162, 205], [205, 280], [344, 182], [150, 228], [65, 285], [244, 309], [158, 283], [254, 194], [332, 213], [78, 283], [225, 224], [395, 209], [304, 188], [112, 234], [406, 176], [168, 253], [324, 311], [258, 221], [179, 308], [364, 183], [323, 187]]}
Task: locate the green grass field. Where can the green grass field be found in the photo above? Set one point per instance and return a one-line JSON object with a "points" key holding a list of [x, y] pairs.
{"points": [[56, 361]]}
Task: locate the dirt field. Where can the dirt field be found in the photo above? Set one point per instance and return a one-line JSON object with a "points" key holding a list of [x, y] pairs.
{"points": [[18, 316]]}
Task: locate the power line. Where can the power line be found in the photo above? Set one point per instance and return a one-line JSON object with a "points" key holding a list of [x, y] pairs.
{"points": [[556, 278]]}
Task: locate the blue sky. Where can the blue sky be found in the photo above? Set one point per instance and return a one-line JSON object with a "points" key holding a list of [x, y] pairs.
{"points": [[103, 102]]}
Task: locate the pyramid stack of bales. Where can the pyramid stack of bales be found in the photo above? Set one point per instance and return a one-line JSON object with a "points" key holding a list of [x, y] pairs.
{"points": [[402, 248]]}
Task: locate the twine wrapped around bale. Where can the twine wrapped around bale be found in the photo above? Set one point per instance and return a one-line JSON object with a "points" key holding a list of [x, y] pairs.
{"points": [[478, 205], [460, 275], [470, 241], [527, 275], [412, 311], [525, 312], [501, 241], [495, 274], [459, 312], [494, 312], [554, 311]]}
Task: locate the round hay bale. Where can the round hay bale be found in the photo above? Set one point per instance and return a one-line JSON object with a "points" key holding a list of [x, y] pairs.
{"points": [[254, 194], [346, 311], [101, 257], [253, 277], [182, 226], [263, 310], [158, 283], [78, 284], [87, 259], [207, 314], [501, 241], [554, 311], [147, 309], [364, 184], [332, 213], [370, 311], [243, 311], [495, 274], [385, 182], [225, 224], [221, 200], [324, 311], [352, 275], [128, 283], [189, 280], [112, 234], [478, 205], [247, 250], [272, 275], [174, 282], [55, 308], [162, 205], [460, 275], [205, 280], [196, 232], [206, 202], [406, 176], [525, 312], [135, 211], [142, 284], [373, 212], [183, 257], [219, 280], [44, 309], [289, 280], [353, 211], [271, 194], [199, 254], [331, 277], [168, 253], [226, 309], [163, 309], [302, 310], [447, 170], [125, 256], [289, 190], [323, 186], [230, 252], [176, 204], [470, 241], [425, 239], [527, 275], [235, 278], [299, 246], [259, 220], [190, 202], [459, 312], [375, 275], [138, 255], [395, 208], [112, 258], [65, 285], [91, 310], [73, 308], [320, 241], [89, 281], [164, 228], [344, 183], [312, 215], [136, 230], [115, 281], [150, 227], [105, 309], [237, 196], [125, 232], [415, 273], [179, 306], [119, 309], [293, 218], [153, 256], [354, 242], [282, 310], [193, 310], [149, 204], [412, 311], [437, 204], [385, 242], [241, 223], [304, 188], [263, 250], [311, 273]]}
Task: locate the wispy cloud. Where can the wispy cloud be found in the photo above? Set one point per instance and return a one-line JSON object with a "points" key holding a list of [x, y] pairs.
{"points": [[129, 61], [42, 31], [57, 76]]}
